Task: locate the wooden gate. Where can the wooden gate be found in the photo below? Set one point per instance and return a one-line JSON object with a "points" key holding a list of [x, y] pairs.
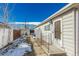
{"points": [[16, 34]]}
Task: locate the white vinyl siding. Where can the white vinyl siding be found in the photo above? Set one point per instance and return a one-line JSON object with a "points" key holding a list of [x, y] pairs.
{"points": [[38, 33], [44, 33], [68, 40], [68, 32]]}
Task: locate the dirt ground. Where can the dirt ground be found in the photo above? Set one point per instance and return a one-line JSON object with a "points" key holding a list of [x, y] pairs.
{"points": [[38, 50]]}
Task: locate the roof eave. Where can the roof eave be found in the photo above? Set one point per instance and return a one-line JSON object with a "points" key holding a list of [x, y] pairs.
{"points": [[64, 9]]}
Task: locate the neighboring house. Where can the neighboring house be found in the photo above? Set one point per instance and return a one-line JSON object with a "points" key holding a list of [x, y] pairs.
{"points": [[25, 31], [6, 35], [62, 29]]}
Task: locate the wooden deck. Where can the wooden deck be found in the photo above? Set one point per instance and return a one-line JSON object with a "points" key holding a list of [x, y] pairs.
{"points": [[43, 50]]}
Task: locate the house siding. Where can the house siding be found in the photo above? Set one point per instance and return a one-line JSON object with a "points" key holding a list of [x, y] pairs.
{"points": [[43, 34], [68, 32], [67, 40]]}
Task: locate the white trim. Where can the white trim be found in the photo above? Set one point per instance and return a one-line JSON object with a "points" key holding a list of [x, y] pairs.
{"points": [[58, 12], [61, 41], [77, 33]]}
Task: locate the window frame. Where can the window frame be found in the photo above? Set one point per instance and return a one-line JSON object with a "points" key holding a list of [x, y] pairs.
{"points": [[57, 32], [47, 27]]}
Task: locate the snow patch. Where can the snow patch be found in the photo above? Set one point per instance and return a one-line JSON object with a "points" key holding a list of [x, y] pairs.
{"points": [[18, 48]]}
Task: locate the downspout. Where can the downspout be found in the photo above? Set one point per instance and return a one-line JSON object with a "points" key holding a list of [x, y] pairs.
{"points": [[50, 43], [51, 27], [75, 32]]}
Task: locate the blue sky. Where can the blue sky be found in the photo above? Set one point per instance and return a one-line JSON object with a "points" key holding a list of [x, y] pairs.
{"points": [[32, 12]]}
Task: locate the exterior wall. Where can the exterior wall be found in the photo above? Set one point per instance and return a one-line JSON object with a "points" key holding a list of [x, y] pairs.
{"points": [[11, 35], [38, 33], [67, 40], [1, 37], [5, 40], [5, 37], [28, 31], [68, 33], [24, 31], [42, 34]]}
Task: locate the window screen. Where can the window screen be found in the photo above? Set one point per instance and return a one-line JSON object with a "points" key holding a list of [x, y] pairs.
{"points": [[47, 27], [58, 30]]}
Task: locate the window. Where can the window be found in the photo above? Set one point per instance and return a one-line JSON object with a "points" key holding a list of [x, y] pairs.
{"points": [[57, 30], [47, 27]]}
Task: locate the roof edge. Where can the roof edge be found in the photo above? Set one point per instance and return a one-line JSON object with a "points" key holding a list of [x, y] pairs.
{"points": [[62, 10]]}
